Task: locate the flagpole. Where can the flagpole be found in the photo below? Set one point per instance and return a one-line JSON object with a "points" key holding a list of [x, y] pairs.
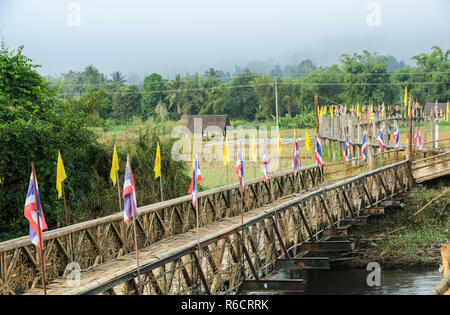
{"points": [[134, 212], [118, 190], [242, 214], [41, 235], [161, 187]]}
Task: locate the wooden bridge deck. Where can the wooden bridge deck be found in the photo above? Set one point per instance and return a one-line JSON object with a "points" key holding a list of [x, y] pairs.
{"points": [[96, 279]]}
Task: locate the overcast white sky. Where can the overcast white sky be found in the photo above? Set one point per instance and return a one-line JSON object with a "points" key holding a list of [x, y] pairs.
{"points": [[179, 36]]}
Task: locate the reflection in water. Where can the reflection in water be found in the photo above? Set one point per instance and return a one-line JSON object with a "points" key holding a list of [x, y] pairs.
{"points": [[345, 282]]}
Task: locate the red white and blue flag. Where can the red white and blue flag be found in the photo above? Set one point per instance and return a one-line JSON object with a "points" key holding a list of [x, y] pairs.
{"points": [[31, 204], [265, 163], [240, 169], [380, 141], [353, 111], [364, 146], [418, 140], [341, 110], [318, 152], [196, 177], [347, 150], [129, 195], [295, 156], [396, 137]]}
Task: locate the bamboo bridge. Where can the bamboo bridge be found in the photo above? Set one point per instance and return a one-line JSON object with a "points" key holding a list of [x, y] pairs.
{"points": [[300, 225]]}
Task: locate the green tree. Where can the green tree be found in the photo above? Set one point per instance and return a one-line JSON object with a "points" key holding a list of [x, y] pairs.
{"points": [[152, 92]]}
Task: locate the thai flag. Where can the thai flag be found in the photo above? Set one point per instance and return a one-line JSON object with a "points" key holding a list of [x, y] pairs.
{"points": [[335, 111], [295, 156], [196, 177], [240, 170], [318, 153], [380, 141], [396, 137], [412, 110], [30, 214], [353, 111], [129, 195], [418, 140], [341, 110], [265, 163], [436, 110], [364, 146], [346, 150]]}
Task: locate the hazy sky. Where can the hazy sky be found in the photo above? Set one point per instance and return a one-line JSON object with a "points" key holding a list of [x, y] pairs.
{"points": [[179, 36]]}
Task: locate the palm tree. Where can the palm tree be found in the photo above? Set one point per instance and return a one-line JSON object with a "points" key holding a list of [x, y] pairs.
{"points": [[117, 78], [175, 94]]}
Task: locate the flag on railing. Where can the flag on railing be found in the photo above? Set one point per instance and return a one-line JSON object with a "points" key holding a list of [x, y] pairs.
{"points": [[60, 175], [240, 169], [413, 110], [397, 136], [357, 110], [318, 152], [129, 194], [226, 154], [353, 110], [265, 163], [196, 164], [307, 147], [157, 167], [331, 111], [447, 111], [380, 141], [295, 155], [418, 140], [341, 110], [345, 110], [254, 154], [193, 189], [114, 167], [279, 143], [31, 204], [347, 150], [406, 97], [436, 110], [383, 111], [364, 146]]}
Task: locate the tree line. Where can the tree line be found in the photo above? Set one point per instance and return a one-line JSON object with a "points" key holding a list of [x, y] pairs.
{"points": [[366, 77]]}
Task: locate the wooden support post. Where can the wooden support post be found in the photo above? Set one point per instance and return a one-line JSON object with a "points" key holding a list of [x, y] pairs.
{"points": [[201, 274]]}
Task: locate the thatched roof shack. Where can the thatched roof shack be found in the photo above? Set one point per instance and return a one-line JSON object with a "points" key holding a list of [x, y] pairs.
{"points": [[207, 121], [429, 108]]}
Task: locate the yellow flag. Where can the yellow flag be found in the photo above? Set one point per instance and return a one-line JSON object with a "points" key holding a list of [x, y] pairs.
{"points": [[226, 155], [345, 110], [382, 111], [325, 110], [307, 141], [357, 110], [254, 155], [279, 143], [60, 175], [406, 96], [157, 162], [447, 110], [331, 111], [114, 167]]}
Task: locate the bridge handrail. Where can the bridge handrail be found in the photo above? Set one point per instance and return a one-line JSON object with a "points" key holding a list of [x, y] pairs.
{"points": [[49, 235]]}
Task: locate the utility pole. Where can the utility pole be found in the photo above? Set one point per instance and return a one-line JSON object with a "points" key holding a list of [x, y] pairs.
{"points": [[276, 100]]}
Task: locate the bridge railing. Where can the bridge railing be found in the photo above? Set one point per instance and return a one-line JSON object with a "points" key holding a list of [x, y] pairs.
{"points": [[96, 241], [293, 222]]}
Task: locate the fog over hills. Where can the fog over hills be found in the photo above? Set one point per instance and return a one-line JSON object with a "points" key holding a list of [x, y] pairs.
{"points": [[179, 36]]}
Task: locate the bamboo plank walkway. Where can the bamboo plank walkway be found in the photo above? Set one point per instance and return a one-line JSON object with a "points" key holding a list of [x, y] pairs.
{"points": [[108, 272]]}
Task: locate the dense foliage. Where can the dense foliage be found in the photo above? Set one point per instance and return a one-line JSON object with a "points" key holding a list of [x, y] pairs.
{"points": [[35, 124]]}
